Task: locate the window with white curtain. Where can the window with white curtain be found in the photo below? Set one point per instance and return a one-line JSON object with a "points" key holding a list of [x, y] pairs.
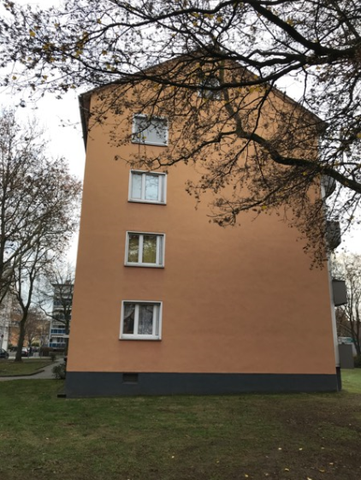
{"points": [[147, 187], [141, 320]]}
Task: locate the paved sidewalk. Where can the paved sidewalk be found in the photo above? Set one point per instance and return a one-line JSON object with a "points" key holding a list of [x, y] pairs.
{"points": [[45, 374]]}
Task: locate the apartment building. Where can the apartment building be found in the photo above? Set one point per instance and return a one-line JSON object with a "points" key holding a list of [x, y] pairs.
{"points": [[61, 315], [167, 302]]}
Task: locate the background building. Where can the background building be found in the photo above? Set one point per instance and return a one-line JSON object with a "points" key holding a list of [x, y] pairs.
{"points": [[5, 320], [61, 315]]}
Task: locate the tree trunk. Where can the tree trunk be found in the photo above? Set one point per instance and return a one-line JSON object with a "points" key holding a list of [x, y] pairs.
{"points": [[19, 349], [357, 333]]}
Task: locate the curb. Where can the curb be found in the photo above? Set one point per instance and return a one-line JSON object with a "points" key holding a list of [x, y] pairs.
{"points": [[24, 374]]}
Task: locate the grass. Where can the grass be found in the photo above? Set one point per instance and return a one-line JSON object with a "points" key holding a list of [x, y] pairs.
{"points": [[351, 381], [315, 436], [27, 366]]}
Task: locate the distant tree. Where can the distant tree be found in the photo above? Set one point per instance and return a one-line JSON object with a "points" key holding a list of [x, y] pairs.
{"points": [[348, 316], [56, 297], [29, 268], [37, 327], [37, 198], [218, 65], [38, 204]]}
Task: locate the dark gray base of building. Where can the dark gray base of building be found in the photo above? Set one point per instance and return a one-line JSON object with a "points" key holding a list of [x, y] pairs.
{"points": [[104, 384]]}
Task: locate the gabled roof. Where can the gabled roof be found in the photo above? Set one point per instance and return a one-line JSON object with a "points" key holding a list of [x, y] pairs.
{"points": [[85, 98]]}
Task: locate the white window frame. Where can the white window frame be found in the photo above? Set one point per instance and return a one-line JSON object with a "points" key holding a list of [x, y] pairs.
{"points": [[162, 190], [159, 253], [143, 139], [157, 314], [208, 93]]}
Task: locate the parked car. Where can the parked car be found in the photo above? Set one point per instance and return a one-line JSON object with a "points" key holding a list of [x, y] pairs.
{"points": [[24, 352], [3, 353]]}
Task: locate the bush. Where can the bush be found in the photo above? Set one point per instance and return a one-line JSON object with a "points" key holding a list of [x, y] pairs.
{"points": [[45, 351], [59, 371], [48, 351], [357, 361]]}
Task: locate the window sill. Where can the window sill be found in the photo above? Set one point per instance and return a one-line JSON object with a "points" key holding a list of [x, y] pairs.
{"points": [[151, 202], [140, 337], [135, 142], [142, 266]]}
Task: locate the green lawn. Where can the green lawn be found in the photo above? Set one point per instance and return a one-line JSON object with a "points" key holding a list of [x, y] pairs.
{"points": [[26, 367], [299, 437], [351, 381]]}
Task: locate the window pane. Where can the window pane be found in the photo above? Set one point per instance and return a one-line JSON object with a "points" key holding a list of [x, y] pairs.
{"points": [[128, 322], [156, 131], [140, 127], [133, 248], [151, 187], [156, 319], [145, 322], [149, 249], [136, 185]]}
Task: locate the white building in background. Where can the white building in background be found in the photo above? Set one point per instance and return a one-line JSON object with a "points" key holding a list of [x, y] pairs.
{"points": [[61, 316], [5, 314]]}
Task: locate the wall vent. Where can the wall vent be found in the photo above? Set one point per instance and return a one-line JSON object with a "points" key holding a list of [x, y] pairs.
{"points": [[130, 378]]}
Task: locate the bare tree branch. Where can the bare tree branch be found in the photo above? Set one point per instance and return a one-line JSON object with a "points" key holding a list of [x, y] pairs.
{"points": [[265, 141]]}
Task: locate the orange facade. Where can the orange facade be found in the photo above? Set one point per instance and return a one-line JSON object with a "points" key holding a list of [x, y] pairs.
{"points": [[237, 304]]}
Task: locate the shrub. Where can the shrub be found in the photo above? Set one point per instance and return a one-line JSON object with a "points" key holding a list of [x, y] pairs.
{"points": [[45, 351], [357, 361], [59, 371]]}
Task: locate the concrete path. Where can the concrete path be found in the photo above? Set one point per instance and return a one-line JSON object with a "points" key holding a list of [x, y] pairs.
{"points": [[45, 374]]}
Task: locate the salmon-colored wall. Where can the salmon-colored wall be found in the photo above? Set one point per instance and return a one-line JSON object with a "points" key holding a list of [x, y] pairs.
{"points": [[236, 300]]}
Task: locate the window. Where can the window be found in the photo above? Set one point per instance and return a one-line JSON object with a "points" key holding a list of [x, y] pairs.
{"points": [[150, 130], [141, 320], [144, 249], [147, 187], [206, 86]]}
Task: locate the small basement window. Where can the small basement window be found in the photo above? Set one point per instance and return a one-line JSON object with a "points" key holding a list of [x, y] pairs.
{"points": [[130, 378]]}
